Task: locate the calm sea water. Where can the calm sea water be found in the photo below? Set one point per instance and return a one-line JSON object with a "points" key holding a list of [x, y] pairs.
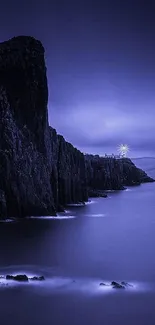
{"points": [[108, 239]]}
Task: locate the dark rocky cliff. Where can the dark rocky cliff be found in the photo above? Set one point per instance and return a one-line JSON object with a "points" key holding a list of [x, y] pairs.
{"points": [[112, 174], [39, 171], [34, 161], [24, 147], [131, 175], [68, 172]]}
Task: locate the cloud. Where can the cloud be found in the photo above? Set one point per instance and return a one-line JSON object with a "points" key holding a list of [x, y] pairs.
{"points": [[98, 125]]}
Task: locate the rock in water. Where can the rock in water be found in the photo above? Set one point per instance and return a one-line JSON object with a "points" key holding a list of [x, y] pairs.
{"points": [[37, 278], [126, 284], [131, 175], [117, 285], [112, 174], [97, 193], [18, 277]]}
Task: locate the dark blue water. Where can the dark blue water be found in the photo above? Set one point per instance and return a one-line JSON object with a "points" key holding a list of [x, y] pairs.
{"points": [[109, 239]]}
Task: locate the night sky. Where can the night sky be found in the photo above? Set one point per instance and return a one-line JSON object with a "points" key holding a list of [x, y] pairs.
{"points": [[100, 58]]}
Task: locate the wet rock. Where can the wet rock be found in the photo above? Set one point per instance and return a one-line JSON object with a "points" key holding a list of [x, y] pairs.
{"points": [[37, 278], [97, 193], [18, 277], [126, 284], [117, 285]]}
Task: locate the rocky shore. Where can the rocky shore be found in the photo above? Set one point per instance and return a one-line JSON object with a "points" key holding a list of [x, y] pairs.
{"points": [[112, 174], [39, 171]]}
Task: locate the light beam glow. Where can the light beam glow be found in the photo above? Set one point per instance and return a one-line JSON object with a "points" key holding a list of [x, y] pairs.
{"points": [[123, 149]]}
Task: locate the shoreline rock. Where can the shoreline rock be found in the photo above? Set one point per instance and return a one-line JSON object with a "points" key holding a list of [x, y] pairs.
{"points": [[117, 285], [24, 278], [40, 172]]}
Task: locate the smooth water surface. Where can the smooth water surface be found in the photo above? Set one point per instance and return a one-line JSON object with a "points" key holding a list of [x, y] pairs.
{"points": [[108, 239]]}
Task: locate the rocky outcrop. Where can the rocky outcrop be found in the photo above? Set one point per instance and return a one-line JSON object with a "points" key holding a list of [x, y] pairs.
{"points": [[25, 153], [23, 278], [68, 172], [38, 170], [103, 173], [112, 174], [131, 175], [117, 285]]}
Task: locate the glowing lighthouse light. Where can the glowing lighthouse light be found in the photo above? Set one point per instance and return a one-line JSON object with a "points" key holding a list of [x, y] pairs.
{"points": [[123, 150]]}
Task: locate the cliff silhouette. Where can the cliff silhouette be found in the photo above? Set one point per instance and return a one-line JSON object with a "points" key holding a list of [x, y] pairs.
{"points": [[39, 171]]}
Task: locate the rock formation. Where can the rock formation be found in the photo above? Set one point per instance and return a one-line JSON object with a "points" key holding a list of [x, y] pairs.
{"points": [[33, 174], [131, 175], [39, 171], [112, 174], [68, 172]]}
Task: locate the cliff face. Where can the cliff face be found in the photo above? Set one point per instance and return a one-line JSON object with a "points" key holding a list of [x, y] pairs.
{"points": [[112, 174], [103, 173], [131, 175], [32, 180], [68, 172], [24, 147], [39, 171]]}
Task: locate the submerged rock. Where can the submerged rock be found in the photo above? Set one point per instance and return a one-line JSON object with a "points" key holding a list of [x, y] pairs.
{"points": [[126, 284], [19, 277], [24, 278], [37, 278], [102, 284], [117, 285]]}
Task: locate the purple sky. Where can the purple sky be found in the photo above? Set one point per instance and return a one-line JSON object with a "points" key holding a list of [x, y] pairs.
{"points": [[100, 58]]}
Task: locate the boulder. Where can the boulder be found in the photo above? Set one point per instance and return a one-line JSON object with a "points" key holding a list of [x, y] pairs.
{"points": [[37, 278], [126, 284], [117, 285], [18, 277]]}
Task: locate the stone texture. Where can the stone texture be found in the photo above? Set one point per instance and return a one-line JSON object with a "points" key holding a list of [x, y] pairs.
{"points": [[39, 171], [25, 154], [68, 172], [112, 174]]}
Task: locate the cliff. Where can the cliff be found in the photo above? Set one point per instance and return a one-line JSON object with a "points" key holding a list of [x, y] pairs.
{"points": [[131, 175], [34, 161], [39, 171], [68, 172], [112, 174]]}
